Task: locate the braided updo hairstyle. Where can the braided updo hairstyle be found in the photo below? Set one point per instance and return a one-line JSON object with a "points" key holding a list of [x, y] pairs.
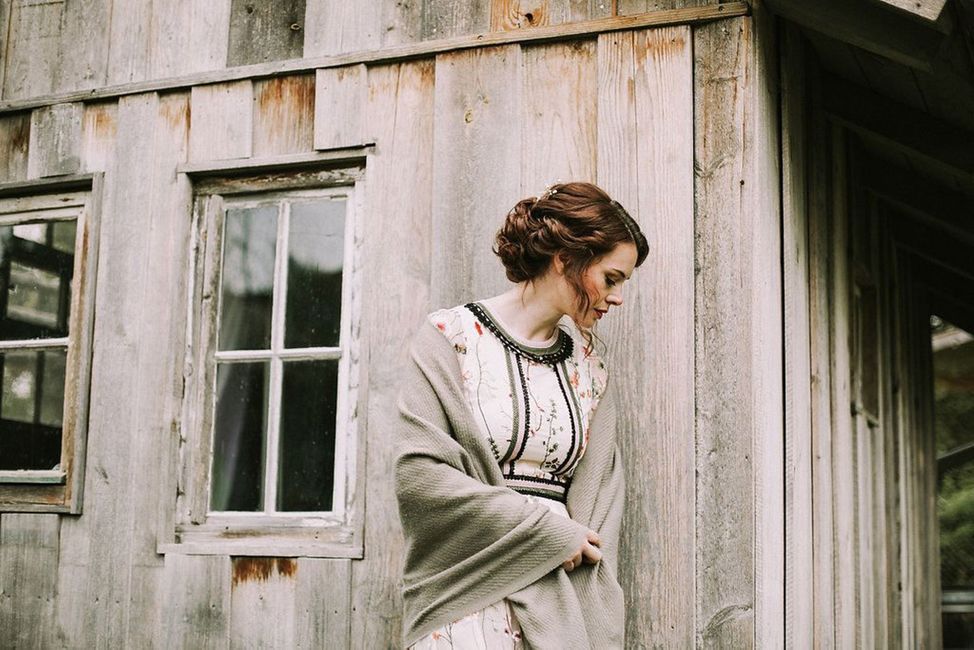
{"points": [[577, 221]]}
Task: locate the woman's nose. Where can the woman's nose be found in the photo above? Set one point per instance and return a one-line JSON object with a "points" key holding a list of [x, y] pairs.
{"points": [[614, 299]]}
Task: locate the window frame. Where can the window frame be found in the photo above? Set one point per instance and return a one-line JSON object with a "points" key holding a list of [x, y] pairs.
{"points": [[51, 490], [195, 529]]}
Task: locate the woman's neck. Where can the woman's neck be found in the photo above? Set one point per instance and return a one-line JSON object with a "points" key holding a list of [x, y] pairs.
{"points": [[525, 310]]}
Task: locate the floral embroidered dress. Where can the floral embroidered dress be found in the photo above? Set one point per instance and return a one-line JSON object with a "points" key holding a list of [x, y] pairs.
{"points": [[534, 402]]}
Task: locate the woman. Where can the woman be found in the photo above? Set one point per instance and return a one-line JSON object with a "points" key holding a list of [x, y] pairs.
{"points": [[508, 477]]}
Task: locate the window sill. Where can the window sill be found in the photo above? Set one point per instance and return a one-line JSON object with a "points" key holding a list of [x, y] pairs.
{"points": [[263, 548], [260, 538]]}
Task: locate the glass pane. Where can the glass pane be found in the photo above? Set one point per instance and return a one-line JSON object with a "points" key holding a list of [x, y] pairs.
{"points": [[238, 436], [63, 235], [35, 280], [31, 409], [307, 451], [247, 278], [953, 362], [316, 243]]}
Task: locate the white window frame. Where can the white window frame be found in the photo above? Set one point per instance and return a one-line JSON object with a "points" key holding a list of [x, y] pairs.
{"points": [[65, 198], [196, 529]]}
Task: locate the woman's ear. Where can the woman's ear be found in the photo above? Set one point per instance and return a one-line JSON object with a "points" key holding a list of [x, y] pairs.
{"points": [[558, 265]]}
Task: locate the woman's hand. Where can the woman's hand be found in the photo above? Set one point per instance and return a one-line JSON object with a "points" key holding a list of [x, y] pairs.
{"points": [[589, 552]]}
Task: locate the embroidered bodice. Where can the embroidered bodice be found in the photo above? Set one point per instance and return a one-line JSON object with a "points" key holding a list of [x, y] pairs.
{"points": [[534, 403]]}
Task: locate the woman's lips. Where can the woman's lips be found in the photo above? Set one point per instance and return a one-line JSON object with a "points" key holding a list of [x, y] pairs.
{"points": [[599, 313]]}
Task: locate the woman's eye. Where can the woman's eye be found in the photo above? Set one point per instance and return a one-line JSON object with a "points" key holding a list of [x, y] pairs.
{"points": [[609, 282]]}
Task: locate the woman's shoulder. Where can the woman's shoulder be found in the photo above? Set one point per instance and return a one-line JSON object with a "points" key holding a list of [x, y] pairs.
{"points": [[453, 323]]}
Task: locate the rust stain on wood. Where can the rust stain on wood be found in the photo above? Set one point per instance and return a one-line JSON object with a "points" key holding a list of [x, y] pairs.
{"points": [[284, 114], [259, 569], [176, 114]]}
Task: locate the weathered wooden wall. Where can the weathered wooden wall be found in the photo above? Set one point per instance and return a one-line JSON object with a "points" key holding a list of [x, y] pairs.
{"points": [[67, 45], [679, 123], [859, 502]]}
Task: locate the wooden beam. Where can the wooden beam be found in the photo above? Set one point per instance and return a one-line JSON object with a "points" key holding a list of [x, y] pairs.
{"points": [[947, 291], [898, 127], [930, 12], [936, 206], [946, 253], [422, 49], [867, 26]]}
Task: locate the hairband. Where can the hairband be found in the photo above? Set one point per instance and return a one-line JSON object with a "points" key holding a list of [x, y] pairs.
{"points": [[622, 217]]}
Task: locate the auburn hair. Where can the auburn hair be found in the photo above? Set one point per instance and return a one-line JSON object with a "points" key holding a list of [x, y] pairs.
{"points": [[576, 221]]}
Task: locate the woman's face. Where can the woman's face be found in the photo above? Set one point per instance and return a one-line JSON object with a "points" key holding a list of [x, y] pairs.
{"points": [[603, 280]]}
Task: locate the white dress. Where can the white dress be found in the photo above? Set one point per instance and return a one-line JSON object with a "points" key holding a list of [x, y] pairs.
{"points": [[534, 403]]}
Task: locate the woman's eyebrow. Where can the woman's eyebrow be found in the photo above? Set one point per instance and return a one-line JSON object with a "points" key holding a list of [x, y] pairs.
{"points": [[620, 273]]}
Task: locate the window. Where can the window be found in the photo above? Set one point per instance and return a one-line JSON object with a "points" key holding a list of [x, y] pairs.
{"points": [[47, 262], [269, 419]]}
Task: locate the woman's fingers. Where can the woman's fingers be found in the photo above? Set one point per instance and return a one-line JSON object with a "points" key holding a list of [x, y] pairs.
{"points": [[593, 538], [573, 561], [591, 553]]}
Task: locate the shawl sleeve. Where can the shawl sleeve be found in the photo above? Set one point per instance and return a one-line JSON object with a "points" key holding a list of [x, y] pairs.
{"points": [[470, 540]]}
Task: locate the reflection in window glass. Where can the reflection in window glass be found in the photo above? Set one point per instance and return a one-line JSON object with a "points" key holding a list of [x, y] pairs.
{"points": [[316, 243], [33, 296], [247, 278], [31, 409], [953, 360], [36, 269], [63, 234], [238, 436], [307, 451]]}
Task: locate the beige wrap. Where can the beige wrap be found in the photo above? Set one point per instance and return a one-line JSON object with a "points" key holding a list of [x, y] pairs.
{"points": [[471, 541]]}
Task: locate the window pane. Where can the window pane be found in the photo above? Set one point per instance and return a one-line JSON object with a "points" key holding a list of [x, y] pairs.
{"points": [[35, 279], [307, 452], [247, 278], [31, 409], [238, 436], [316, 243], [953, 365]]}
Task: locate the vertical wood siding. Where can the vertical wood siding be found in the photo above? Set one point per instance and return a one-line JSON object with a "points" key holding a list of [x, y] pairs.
{"points": [[645, 86]]}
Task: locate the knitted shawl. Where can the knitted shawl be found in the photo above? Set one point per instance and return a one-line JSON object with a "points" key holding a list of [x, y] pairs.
{"points": [[471, 540]]}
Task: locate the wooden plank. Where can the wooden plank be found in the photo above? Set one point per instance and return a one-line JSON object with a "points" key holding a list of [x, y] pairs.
{"points": [[180, 27], [927, 11], [506, 15], [130, 51], [84, 44], [411, 50], [867, 26], [98, 130], [343, 27], [559, 89], [798, 426], [397, 251], [28, 578], [820, 255], [762, 155], [14, 139], [645, 89], [843, 450], [55, 141], [284, 109], [197, 602], [31, 42], [128, 486], [220, 169], [629, 7], [478, 173], [265, 30], [222, 124], [340, 97], [262, 589], [322, 604], [445, 19]]}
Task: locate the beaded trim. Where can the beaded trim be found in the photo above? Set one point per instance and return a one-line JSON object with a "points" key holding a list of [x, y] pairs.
{"points": [[561, 353]]}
